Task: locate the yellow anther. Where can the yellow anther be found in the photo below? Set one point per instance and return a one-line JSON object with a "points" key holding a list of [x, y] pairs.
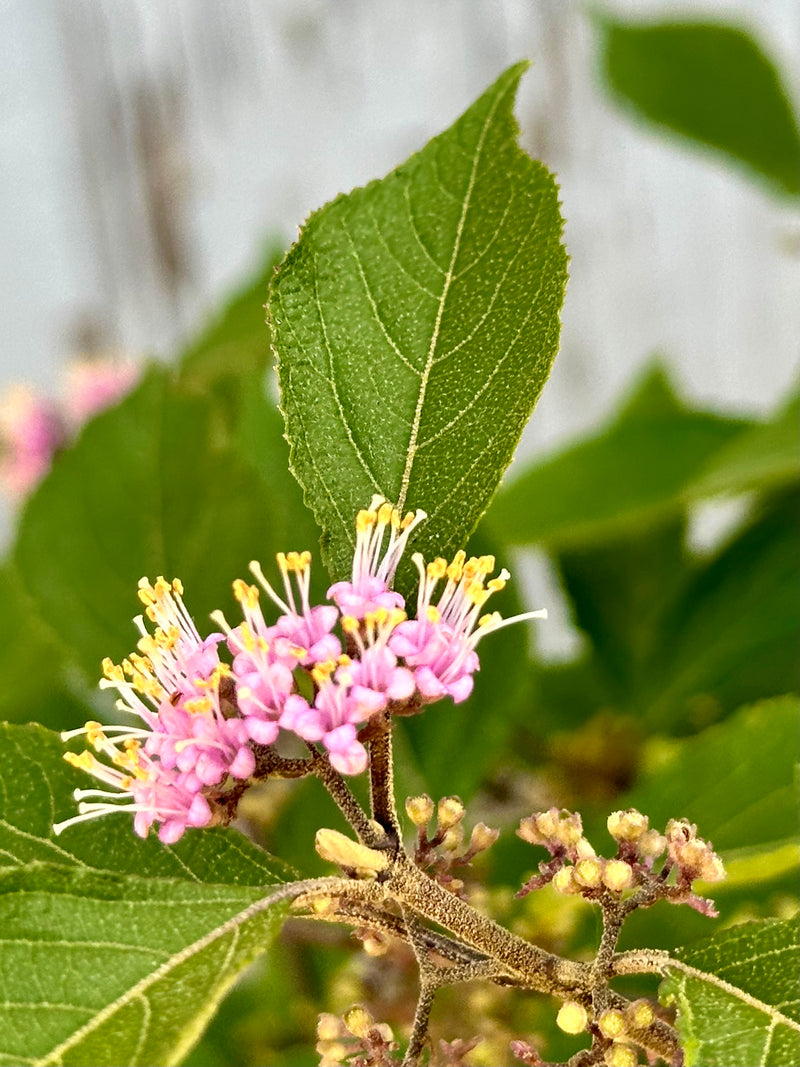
{"points": [[344, 661], [385, 513], [94, 733], [246, 594], [492, 616], [408, 518], [177, 586], [198, 705], [111, 671], [364, 520], [433, 614], [349, 624], [494, 585], [84, 761], [436, 569]]}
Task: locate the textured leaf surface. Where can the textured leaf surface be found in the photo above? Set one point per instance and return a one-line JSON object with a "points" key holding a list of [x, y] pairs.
{"points": [[110, 969], [632, 474], [709, 82], [737, 997], [415, 323], [113, 949]]}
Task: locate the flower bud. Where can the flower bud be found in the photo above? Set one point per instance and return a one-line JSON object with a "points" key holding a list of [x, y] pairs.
{"points": [[612, 1023], [528, 832], [712, 868], [449, 812], [627, 825], [564, 881], [482, 837], [569, 830], [453, 838], [583, 850], [589, 872], [358, 1021], [640, 1014], [546, 823], [621, 1055], [651, 844], [419, 810], [332, 1054], [336, 848], [329, 1027], [572, 1017], [617, 875]]}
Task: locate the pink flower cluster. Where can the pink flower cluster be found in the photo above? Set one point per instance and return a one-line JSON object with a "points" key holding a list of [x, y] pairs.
{"points": [[33, 428], [317, 672]]}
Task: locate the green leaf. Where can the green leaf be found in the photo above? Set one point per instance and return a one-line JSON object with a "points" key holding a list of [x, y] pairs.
{"points": [[109, 969], [710, 82], [736, 780], [764, 457], [32, 767], [620, 591], [631, 475], [33, 661], [415, 322], [114, 949], [737, 997], [235, 343], [147, 490], [732, 635]]}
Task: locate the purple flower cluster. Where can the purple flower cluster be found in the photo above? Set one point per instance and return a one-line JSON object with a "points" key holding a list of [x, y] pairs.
{"points": [[202, 719]]}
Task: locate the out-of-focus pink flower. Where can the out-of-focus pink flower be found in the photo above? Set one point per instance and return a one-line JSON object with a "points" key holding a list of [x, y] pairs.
{"points": [[94, 384], [31, 430]]}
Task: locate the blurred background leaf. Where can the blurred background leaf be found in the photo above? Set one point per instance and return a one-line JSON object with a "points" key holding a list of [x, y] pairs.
{"points": [[710, 82]]}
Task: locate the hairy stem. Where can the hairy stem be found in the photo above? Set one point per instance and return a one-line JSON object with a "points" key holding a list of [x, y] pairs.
{"points": [[381, 781]]}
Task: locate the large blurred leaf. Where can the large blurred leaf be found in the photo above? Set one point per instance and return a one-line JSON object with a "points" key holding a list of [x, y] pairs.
{"points": [[415, 321], [619, 591], [631, 475], [145, 491], [737, 997], [235, 343], [710, 82], [33, 661], [732, 636], [764, 457]]}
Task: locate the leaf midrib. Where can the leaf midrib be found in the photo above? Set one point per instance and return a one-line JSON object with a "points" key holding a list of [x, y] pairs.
{"points": [[411, 450]]}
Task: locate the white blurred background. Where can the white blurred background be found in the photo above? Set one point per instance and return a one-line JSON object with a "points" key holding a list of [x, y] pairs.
{"points": [[151, 147]]}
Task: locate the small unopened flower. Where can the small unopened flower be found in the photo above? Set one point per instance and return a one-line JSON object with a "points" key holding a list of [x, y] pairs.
{"points": [[381, 538]]}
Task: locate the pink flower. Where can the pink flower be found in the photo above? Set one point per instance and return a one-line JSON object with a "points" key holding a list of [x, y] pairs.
{"points": [[439, 644], [31, 431], [185, 744], [94, 384], [374, 565]]}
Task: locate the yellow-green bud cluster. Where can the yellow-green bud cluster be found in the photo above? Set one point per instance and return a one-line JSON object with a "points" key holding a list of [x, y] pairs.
{"points": [[558, 831]]}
